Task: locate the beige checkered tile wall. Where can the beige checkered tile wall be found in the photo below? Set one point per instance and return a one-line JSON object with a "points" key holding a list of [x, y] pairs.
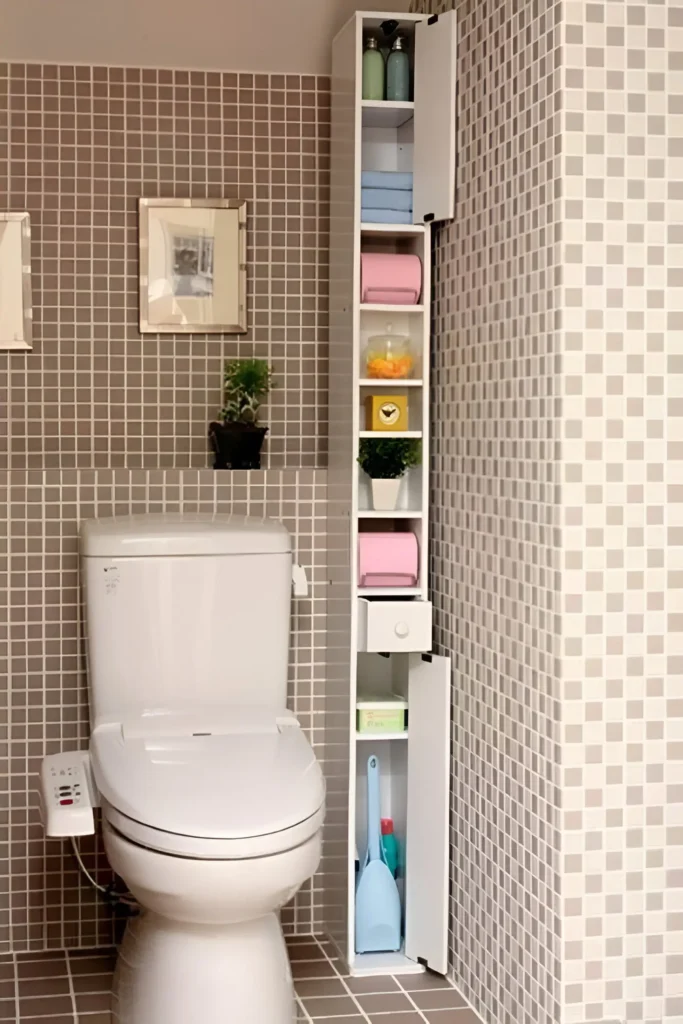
{"points": [[84, 143], [495, 556], [622, 628], [556, 565], [46, 903]]}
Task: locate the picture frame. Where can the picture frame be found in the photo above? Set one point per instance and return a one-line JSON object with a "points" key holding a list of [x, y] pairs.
{"points": [[16, 312], [193, 266]]}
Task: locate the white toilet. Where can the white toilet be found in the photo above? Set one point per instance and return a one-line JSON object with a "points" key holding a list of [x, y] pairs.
{"points": [[212, 798]]}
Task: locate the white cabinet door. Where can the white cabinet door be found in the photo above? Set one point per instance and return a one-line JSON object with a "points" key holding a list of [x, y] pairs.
{"points": [[434, 121], [427, 828]]}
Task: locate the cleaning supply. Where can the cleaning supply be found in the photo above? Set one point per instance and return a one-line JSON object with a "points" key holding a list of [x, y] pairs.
{"points": [[398, 71], [373, 71], [378, 906], [380, 713], [390, 845]]}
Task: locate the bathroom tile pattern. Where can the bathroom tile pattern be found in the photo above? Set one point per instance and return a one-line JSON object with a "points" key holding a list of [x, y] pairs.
{"points": [[556, 563], [75, 988], [495, 554], [84, 144], [622, 570], [48, 905]]}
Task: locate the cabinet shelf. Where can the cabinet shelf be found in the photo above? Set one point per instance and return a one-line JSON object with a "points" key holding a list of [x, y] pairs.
{"points": [[386, 113], [393, 229], [363, 737], [391, 433], [381, 307], [382, 382], [397, 513]]}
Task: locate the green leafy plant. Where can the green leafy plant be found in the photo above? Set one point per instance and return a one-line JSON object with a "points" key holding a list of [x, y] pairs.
{"points": [[386, 458], [246, 382]]}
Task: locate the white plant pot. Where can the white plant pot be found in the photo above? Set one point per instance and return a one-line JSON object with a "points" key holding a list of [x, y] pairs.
{"points": [[385, 494]]}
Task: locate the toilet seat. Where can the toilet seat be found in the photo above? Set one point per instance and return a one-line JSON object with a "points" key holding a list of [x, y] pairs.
{"points": [[229, 782]]}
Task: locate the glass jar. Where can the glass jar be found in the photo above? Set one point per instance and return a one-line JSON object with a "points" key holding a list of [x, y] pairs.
{"points": [[389, 356]]}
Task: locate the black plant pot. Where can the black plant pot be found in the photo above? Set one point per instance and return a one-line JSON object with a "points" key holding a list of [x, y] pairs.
{"points": [[236, 445]]}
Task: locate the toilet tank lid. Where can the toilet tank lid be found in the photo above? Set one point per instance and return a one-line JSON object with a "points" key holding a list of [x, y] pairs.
{"points": [[193, 533]]}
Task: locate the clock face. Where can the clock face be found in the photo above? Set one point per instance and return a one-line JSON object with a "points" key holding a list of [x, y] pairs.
{"points": [[389, 414]]}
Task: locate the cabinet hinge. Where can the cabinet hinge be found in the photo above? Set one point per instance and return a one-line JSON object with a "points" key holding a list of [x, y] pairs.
{"points": [[427, 217], [433, 20]]}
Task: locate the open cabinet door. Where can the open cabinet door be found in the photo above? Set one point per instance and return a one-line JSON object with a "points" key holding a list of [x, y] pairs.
{"points": [[427, 851], [434, 120]]}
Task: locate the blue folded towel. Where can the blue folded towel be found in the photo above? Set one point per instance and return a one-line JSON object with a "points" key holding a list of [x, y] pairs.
{"points": [[386, 216], [386, 199], [387, 179]]}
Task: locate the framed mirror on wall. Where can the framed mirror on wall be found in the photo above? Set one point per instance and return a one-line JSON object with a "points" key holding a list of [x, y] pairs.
{"points": [[15, 282], [193, 266]]}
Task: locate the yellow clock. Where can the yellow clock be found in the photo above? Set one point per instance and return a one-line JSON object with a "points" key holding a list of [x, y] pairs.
{"points": [[386, 412]]}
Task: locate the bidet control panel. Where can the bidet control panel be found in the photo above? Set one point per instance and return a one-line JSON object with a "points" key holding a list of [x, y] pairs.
{"points": [[68, 795]]}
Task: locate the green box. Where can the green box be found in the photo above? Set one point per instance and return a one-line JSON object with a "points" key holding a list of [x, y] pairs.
{"points": [[377, 715]]}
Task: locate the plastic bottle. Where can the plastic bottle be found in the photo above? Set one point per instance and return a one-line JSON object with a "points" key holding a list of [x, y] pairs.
{"points": [[398, 71], [373, 71], [390, 845]]}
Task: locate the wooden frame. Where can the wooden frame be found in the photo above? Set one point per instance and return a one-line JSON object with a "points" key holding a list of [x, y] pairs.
{"points": [[193, 266], [16, 313]]}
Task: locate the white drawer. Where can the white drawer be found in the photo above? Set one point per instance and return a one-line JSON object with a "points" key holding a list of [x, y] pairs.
{"points": [[388, 626]]}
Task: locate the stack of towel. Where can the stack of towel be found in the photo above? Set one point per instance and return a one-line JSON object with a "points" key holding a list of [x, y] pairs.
{"points": [[386, 197]]}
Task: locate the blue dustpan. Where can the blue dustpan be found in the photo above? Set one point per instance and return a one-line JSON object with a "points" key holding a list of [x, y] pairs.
{"points": [[378, 905]]}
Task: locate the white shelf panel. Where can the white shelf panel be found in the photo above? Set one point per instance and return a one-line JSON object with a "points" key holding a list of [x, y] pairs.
{"points": [[369, 964], [389, 591], [362, 737], [382, 382], [390, 433], [397, 513], [386, 113], [393, 229], [380, 307]]}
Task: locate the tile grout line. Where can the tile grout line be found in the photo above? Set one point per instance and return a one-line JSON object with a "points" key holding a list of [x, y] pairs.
{"points": [[362, 1012], [411, 1000], [72, 990], [16, 987]]}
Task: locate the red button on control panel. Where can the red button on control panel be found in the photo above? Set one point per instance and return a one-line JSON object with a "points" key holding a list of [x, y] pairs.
{"points": [[63, 802]]}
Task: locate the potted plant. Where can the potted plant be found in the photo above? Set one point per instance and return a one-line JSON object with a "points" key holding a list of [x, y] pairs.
{"points": [[237, 438], [385, 460]]}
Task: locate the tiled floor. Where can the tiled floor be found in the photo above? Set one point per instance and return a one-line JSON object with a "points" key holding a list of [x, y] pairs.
{"points": [[75, 988]]}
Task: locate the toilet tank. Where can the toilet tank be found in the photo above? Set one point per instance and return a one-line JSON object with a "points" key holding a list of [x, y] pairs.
{"points": [[185, 610]]}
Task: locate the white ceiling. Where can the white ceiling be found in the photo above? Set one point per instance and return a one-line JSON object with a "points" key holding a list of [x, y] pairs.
{"points": [[237, 35]]}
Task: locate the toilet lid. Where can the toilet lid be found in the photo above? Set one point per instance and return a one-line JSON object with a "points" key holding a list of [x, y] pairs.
{"points": [[222, 774]]}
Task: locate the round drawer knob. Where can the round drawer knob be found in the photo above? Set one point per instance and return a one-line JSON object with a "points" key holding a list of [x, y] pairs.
{"points": [[402, 629]]}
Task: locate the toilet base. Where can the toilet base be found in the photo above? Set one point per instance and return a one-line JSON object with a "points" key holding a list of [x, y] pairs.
{"points": [[170, 972]]}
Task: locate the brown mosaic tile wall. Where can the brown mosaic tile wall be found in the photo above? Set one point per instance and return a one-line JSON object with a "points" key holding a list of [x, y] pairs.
{"points": [[622, 579], [45, 904], [495, 555], [84, 143]]}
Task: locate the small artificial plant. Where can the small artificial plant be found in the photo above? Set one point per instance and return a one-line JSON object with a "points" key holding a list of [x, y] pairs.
{"points": [[246, 382], [387, 458]]}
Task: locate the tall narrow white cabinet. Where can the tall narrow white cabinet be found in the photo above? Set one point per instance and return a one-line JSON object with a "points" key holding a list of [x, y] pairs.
{"points": [[382, 638]]}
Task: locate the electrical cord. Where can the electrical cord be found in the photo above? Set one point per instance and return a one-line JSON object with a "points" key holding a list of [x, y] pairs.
{"points": [[108, 891]]}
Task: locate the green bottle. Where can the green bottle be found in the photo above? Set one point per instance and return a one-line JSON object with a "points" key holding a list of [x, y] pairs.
{"points": [[398, 71], [373, 71]]}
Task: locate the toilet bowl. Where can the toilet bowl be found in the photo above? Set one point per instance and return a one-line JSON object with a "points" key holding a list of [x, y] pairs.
{"points": [[213, 832], [212, 798]]}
